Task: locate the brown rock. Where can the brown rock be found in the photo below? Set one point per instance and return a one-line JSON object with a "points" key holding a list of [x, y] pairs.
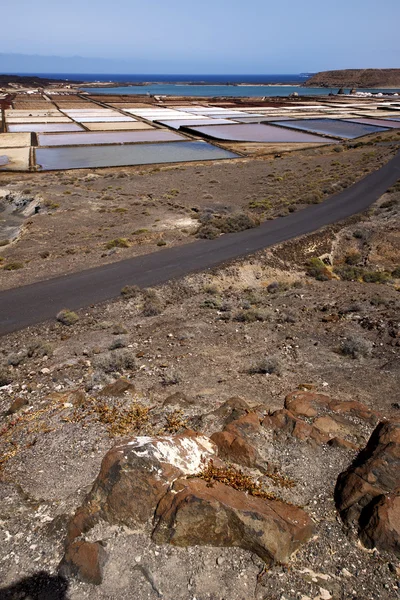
{"points": [[193, 513], [234, 448], [374, 476], [382, 529], [84, 560], [135, 475], [231, 410], [119, 388], [331, 426], [306, 404], [16, 405], [338, 442], [356, 409], [285, 421]]}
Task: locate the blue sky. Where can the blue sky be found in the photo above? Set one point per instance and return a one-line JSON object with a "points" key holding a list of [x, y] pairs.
{"points": [[211, 36]]}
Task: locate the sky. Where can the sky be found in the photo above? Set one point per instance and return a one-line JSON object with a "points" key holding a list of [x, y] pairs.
{"points": [[211, 36]]}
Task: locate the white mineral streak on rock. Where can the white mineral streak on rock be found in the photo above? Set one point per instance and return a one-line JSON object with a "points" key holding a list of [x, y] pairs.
{"points": [[184, 453]]}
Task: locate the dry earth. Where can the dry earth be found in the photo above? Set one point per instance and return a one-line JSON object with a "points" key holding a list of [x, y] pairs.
{"points": [[206, 339], [95, 217]]}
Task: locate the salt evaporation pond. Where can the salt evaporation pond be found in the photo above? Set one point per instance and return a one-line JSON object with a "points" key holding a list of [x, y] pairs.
{"points": [[334, 127], [118, 156], [122, 137], [256, 133]]}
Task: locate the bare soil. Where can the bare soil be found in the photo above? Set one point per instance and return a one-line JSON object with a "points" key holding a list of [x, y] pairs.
{"points": [[202, 337]]}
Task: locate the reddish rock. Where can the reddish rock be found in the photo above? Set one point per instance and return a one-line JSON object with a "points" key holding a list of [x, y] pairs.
{"points": [[234, 449], [332, 426], [84, 560], [338, 442], [355, 409], [364, 492], [120, 387], [306, 404], [285, 421], [234, 442], [193, 513], [382, 529]]}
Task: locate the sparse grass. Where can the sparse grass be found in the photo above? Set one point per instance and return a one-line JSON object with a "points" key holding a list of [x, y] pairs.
{"points": [[4, 242], [268, 365], [116, 361], [67, 317], [175, 421], [152, 304], [120, 421], [355, 347], [233, 478], [170, 377], [130, 291]]}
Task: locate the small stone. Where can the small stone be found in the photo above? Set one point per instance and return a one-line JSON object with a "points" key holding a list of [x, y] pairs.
{"points": [[45, 371], [16, 405], [220, 560]]}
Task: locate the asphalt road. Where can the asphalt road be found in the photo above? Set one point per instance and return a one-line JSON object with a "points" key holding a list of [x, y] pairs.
{"points": [[31, 304]]}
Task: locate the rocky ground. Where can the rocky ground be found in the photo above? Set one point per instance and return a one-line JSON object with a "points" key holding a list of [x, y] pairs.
{"points": [[283, 364], [89, 218]]}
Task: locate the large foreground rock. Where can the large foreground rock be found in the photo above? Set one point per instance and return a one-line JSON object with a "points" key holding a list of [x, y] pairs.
{"points": [[194, 513], [133, 478], [367, 493]]}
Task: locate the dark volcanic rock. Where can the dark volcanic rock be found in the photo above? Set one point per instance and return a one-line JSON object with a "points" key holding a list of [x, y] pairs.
{"points": [[193, 513], [84, 560], [367, 493]]}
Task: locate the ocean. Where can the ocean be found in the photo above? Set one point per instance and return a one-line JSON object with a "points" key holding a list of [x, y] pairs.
{"points": [[202, 85]]}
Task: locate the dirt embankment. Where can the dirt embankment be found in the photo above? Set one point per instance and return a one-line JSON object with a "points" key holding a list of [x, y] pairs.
{"points": [[356, 78]]}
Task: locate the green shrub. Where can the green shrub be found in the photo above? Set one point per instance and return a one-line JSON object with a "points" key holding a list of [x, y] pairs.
{"points": [[315, 267], [67, 317], [13, 266], [348, 273], [352, 258], [376, 277], [117, 243], [396, 273], [214, 226]]}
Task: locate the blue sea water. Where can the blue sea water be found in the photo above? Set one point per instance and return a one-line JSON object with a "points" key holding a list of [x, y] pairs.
{"points": [[201, 85]]}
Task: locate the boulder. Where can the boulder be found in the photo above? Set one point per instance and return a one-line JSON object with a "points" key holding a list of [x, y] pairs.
{"points": [[84, 560], [382, 529], [194, 513], [133, 478], [306, 404], [233, 442], [366, 494]]}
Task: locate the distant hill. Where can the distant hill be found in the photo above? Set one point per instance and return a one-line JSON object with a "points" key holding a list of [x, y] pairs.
{"points": [[356, 78], [29, 81]]}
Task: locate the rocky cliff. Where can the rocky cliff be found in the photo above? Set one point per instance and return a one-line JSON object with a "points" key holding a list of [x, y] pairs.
{"points": [[356, 78]]}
